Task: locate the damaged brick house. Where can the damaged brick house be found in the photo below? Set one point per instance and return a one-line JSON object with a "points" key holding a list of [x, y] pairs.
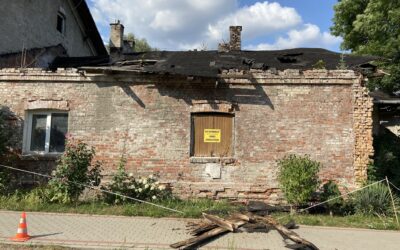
{"points": [[33, 33], [210, 123]]}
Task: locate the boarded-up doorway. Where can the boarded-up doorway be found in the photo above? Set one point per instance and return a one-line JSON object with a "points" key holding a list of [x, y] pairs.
{"points": [[212, 134]]}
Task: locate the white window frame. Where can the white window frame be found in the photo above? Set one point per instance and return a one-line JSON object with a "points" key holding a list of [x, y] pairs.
{"points": [[61, 14], [28, 131]]}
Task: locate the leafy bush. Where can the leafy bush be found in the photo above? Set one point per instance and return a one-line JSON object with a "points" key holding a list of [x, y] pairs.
{"points": [[373, 200], [73, 169], [3, 135], [5, 176], [386, 159], [143, 188], [330, 190], [320, 64], [36, 196], [298, 177]]}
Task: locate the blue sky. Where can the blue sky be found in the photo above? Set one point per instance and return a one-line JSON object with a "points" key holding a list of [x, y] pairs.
{"points": [[191, 24]]}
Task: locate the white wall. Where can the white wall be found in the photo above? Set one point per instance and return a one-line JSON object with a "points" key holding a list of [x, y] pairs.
{"points": [[32, 24]]}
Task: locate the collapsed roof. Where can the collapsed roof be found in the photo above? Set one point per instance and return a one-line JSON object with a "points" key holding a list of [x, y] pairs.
{"points": [[211, 63]]}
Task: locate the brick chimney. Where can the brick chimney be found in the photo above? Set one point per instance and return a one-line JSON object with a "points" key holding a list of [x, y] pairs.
{"points": [[116, 38], [235, 40]]}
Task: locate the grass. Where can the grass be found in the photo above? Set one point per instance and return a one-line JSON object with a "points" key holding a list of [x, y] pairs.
{"points": [[32, 247], [190, 208], [351, 221]]}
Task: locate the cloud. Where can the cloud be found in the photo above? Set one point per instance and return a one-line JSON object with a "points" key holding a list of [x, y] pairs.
{"points": [[309, 35], [189, 24], [186, 24], [165, 24], [258, 20]]}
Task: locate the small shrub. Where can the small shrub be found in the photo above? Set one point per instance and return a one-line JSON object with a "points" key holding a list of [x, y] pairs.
{"points": [[119, 184], [3, 135], [5, 178], [143, 188], [298, 178], [5, 131], [373, 200], [36, 196], [73, 169], [330, 190], [5, 175], [342, 63], [320, 64]]}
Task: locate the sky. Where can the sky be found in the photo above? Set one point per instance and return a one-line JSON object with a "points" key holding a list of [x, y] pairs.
{"points": [[202, 24]]}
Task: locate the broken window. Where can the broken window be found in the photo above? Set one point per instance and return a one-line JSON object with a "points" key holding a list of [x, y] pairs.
{"points": [[212, 135], [45, 132], [61, 22]]}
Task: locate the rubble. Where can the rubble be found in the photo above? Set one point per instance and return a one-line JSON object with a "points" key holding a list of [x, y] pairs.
{"points": [[213, 226]]}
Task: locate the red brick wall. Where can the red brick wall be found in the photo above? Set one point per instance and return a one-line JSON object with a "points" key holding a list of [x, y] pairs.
{"points": [[148, 120]]}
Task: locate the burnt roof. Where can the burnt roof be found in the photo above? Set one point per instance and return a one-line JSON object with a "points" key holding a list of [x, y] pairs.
{"points": [[211, 63], [75, 62], [90, 26]]}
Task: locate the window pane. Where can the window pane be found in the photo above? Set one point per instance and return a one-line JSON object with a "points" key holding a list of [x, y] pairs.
{"points": [[60, 23], [59, 128], [38, 135]]}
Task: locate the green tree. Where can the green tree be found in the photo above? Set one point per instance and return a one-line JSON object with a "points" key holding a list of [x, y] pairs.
{"points": [[372, 27], [141, 45]]}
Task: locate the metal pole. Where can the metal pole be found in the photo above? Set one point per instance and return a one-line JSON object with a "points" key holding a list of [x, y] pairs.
{"points": [[394, 206]]}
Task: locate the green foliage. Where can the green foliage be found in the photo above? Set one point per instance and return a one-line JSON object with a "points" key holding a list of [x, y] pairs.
{"points": [[373, 200], [3, 134], [387, 158], [298, 177], [368, 26], [141, 45], [342, 63], [143, 188], [352, 220], [33, 201], [319, 65], [36, 196], [5, 176], [371, 27], [390, 82], [372, 175], [331, 190], [73, 169]]}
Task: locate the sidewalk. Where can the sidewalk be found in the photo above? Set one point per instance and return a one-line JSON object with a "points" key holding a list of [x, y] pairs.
{"points": [[101, 232]]}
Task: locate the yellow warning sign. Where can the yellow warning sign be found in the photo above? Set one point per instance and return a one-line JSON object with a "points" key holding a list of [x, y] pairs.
{"points": [[212, 135]]}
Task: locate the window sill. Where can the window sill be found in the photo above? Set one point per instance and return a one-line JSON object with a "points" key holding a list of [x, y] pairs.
{"points": [[40, 157], [203, 160]]}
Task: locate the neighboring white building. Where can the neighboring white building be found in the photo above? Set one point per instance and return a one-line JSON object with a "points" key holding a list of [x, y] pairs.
{"points": [[33, 33]]}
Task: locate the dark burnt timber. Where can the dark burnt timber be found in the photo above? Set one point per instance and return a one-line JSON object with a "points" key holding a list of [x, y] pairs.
{"points": [[212, 63], [214, 226]]}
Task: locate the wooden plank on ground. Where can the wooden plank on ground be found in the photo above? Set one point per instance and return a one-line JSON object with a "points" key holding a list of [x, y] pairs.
{"points": [[207, 235], [284, 231], [220, 222]]}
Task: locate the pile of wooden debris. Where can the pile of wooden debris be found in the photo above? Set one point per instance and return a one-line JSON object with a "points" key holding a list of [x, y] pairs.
{"points": [[212, 226]]}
